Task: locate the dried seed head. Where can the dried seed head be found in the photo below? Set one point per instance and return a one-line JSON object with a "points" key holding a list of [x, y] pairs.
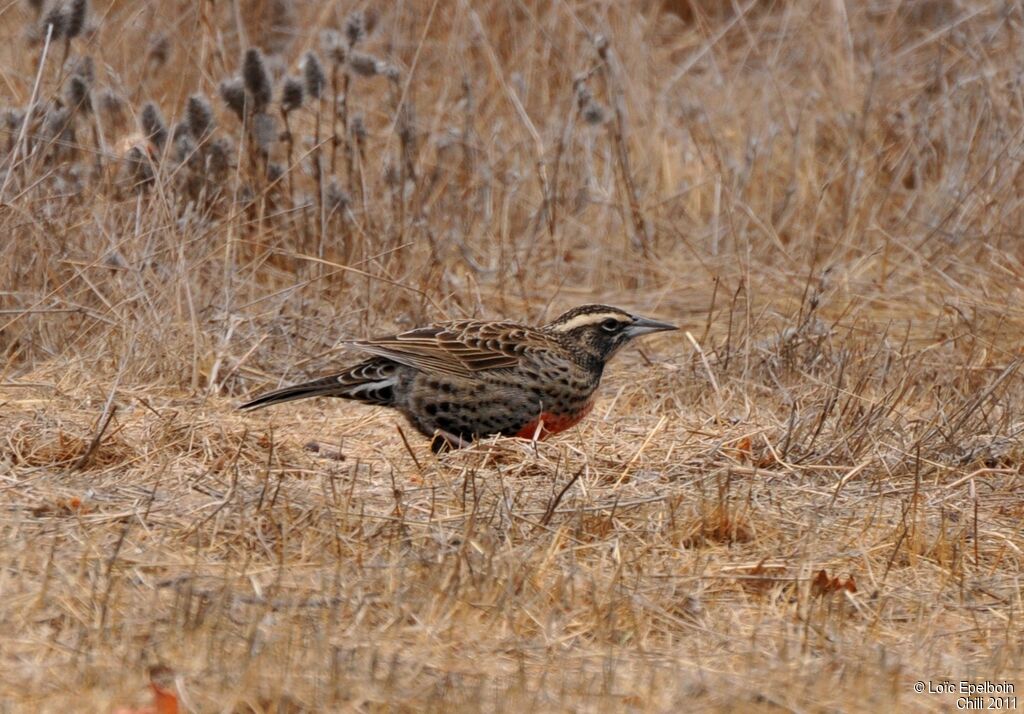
{"points": [[264, 127], [355, 28], [199, 114], [218, 157], [291, 94], [138, 168], [594, 114], [336, 199], [13, 119], [257, 81], [313, 73], [591, 111], [332, 45], [232, 91], [184, 144], [152, 124], [159, 50], [58, 18], [76, 18], [78, 94], [365, 65]]}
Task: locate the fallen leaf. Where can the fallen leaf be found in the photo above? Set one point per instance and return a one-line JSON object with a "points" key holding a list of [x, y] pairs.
{"points": [[743, 448], [824, 585]]}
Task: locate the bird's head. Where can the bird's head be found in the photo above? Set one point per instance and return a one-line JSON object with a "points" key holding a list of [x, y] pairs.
{"points": [[600, 330]]}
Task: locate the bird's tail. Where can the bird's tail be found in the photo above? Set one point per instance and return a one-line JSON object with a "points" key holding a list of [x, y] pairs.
{"points": [[372, 381]]}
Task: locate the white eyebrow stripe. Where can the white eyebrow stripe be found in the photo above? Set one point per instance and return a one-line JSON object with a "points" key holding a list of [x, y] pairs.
{"points": [[593, 318]]}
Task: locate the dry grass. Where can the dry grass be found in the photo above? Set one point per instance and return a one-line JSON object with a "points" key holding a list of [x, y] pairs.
{"points": [[826, 195]]}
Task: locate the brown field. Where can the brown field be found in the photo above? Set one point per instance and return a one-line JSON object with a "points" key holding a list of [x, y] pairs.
{"points": [[808, 499]]}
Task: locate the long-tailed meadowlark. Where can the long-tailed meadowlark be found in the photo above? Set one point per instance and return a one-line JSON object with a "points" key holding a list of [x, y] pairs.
{"points": [[458, 381]]}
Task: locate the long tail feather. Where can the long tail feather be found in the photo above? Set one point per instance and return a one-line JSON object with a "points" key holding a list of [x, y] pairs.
{"points": [[326, 387], [372, 381]]}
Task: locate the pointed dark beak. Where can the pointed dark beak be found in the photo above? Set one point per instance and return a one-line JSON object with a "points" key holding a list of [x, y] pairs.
{"points": [[645, 326]]}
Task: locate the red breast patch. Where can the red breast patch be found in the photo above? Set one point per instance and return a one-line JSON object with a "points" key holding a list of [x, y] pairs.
{"points": [[552, 423]]}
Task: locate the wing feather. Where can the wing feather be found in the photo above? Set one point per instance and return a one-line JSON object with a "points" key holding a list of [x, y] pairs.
{"points": [[455, 348]]}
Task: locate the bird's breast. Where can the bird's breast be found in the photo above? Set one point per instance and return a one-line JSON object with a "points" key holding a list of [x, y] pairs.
{"points": [[548, 423]]}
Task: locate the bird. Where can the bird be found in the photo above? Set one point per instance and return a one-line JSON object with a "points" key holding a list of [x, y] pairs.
{"points": [[463, 380]]}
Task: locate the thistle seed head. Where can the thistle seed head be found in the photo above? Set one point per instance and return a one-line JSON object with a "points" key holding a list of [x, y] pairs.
{"points": [[58, 18], [594, 114], [257, 80], [152, 124], [12, 120], [218, 157], [355, 28], [138, 168], [333, 46], [159, 50], [313, 73], [184, 145], [78, 94], [232, 91], [199, 115], [291, 94], [76, 18], [365, 65]]}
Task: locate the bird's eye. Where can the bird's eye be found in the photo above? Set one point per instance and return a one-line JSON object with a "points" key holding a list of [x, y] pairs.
{"points": [[611, 325]]}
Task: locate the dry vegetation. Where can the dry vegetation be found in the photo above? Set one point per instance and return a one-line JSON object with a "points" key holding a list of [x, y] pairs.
{"points": [[807, 503]]}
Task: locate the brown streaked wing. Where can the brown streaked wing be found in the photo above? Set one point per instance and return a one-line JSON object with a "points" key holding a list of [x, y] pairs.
{"points": [[457, 348]]}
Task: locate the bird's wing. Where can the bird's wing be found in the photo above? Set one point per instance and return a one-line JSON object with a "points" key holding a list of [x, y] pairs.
{"points": [[456, 348]]}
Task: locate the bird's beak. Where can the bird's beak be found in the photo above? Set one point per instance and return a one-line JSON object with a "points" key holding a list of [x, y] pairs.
{"points": [[645, 326]]}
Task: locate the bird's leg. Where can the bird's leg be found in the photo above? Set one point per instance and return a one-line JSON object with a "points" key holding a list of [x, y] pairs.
{"points": [[445, 440]]}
